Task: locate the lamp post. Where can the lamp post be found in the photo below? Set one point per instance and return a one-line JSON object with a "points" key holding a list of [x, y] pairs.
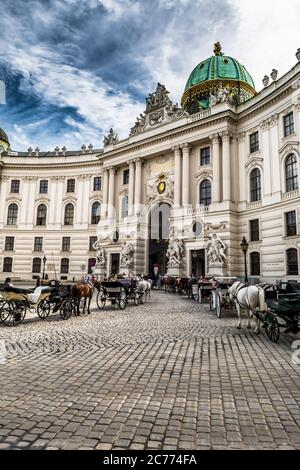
{"points": [[44, 264], [244, 247]]}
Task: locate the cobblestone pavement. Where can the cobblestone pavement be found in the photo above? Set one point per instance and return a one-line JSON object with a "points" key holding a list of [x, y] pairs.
{"points": [[165, 375]]}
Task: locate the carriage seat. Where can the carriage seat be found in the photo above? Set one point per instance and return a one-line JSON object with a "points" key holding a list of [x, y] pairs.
{"points": [[18, 290]]}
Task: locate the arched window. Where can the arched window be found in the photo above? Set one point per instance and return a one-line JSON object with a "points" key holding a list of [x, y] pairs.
{"points": [[69, 214], [64, 266], [7, 265], [205, 193], [91, 265], [291, 173], [255, 263], [96, 210], [12, 214], [36, 265], [124, 207], [255, 185], [292, 261], [41, 216]]}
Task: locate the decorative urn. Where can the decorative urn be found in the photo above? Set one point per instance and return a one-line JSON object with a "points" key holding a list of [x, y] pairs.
{"points": [[298, 54]]}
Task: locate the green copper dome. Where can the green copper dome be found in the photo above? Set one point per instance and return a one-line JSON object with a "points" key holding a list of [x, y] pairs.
{"points": [[4, 142], [216, 70]]}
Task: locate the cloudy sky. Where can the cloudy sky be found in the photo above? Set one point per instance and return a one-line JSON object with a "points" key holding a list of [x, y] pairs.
{"points": [[74, 68]]}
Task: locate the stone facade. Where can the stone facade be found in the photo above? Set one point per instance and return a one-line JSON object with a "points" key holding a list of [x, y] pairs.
{"points": [[162, 163]]}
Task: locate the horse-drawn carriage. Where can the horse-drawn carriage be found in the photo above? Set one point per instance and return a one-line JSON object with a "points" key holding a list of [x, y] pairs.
{"points": [[204, 289], [283, 310], [113, 292], [16, 302], [219, 298]]}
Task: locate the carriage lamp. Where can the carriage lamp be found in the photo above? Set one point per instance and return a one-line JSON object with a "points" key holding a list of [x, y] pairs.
{"points": [[244, 247], [44, 264]]}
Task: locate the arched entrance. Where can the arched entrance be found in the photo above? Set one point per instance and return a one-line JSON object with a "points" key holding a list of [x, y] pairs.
{"points": [[159, 225]]}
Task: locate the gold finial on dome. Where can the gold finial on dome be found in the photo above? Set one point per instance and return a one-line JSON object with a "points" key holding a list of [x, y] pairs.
{"points": [[218, 48]]}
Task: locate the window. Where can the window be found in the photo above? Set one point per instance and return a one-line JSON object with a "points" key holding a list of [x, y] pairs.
{"points": [[255, 185], [9, 243], [125, 176], [254, 142], [69, 214], [7, 265], [41, 214], [44, 186], [292, 261], [290, 224], [96, 209], [12, 214], [38, 244], [64, 266], [288, 124], [66, 244], [205, 156], [124, 207], [71, 186], [36, 265], [97, 183], [291, 173], [205, 193], [255, 264], [91, 243], [91, 265], [254, 230], [15, 186]]}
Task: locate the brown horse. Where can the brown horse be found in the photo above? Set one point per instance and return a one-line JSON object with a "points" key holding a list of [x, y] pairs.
{"points": [[84, 290]]}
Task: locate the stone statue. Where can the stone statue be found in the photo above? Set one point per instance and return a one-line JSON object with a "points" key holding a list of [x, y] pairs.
{"points": [[100, 254], [216, 249], [126, 254], [111, 137], [174, 252], [221, 95]]}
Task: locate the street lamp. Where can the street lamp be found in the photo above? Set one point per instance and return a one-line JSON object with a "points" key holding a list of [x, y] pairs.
{"points": [[244, 247], [44, 264]]}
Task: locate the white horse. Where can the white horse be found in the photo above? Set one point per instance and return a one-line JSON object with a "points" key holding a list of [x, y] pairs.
{"points": [[145, 287], [251, 298]]}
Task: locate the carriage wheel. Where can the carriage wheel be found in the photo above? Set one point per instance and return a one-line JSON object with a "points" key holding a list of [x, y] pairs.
{"points": [[136, 299], [43, 309], [101, 299], [66, 309], [12, 313], [211, 302], [218, 306], [272, 327]]}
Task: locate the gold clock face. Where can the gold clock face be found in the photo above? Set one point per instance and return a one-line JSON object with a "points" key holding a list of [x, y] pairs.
{"points": [[161, 187]]}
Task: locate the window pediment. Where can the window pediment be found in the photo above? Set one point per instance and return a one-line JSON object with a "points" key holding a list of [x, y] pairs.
{"points": [[254, 160], [289, 146]]}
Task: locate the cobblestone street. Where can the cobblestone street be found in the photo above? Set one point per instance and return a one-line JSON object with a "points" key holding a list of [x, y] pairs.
{"points": [[165, 375]]}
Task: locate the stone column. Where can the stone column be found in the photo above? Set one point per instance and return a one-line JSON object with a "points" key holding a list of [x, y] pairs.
{"points": [[111, 192], [242, 153], [185, 174], [138, 185], [3, 195], [177, 175], [265, 147], [104, 197], [131, 188], [226, 166], [216, 189]]}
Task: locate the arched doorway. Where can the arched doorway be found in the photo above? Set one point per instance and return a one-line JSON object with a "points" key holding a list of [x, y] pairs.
{"points": [[159, 225]]}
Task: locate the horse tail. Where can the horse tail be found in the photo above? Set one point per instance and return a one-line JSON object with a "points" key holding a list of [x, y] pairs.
{"points": [[261, 299]]}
